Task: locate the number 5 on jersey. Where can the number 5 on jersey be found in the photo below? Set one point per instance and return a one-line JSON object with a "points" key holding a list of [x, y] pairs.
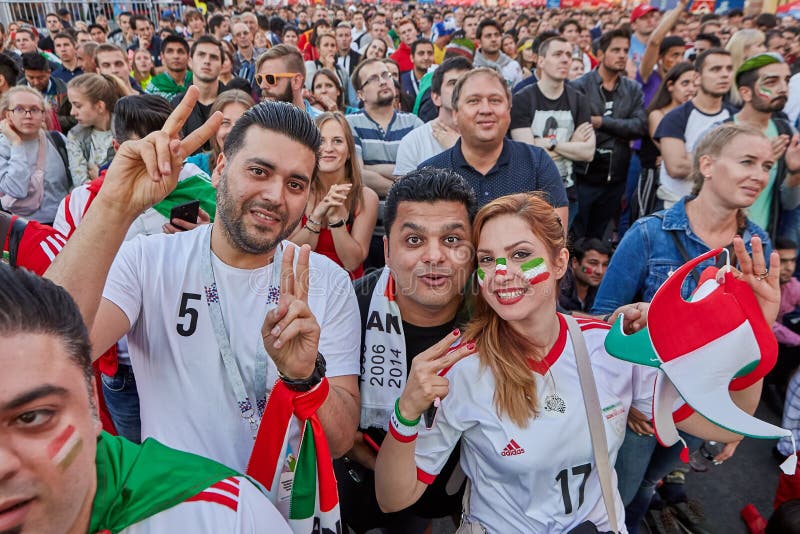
{"points": [[187, 316]]}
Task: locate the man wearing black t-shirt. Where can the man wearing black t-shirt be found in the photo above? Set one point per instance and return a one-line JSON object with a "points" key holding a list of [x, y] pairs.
{"points": [[554, 116], [205, 61], [406, 307]]}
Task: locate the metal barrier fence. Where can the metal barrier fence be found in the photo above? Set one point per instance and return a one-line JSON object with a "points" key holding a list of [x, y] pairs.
{"points": [[34, 11]]}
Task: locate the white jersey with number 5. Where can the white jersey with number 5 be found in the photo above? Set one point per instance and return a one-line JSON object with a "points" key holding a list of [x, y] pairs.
{"points": [[541, 478], [186, 399]]}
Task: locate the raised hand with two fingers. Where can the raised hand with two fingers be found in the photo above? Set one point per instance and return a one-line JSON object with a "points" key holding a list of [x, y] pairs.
{"points": [[424, 383], [145, 171], [290, 331]]}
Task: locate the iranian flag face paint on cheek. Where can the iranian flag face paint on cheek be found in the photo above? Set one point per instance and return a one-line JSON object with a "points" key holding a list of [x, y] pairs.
{"points": [[481, 275], [65, 447], [535, 271]]}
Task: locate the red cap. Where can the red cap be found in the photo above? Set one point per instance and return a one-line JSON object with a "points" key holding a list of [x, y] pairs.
{"points": [[641, 10]]}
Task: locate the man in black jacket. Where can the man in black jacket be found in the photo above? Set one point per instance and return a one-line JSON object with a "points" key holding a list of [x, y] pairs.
{"points": [[618, 116]]}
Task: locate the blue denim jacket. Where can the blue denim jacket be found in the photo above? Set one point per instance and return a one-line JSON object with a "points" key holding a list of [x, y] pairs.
{"points": [[647, 255]]}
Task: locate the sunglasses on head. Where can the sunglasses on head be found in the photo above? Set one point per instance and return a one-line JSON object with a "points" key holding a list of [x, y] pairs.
{"points": [[272, 79]]}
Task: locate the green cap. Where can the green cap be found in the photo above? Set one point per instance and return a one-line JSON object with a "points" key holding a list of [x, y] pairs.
{"points": [[758, 61]]}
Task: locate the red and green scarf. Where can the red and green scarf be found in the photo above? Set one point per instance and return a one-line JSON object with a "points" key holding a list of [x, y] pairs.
{"points": [[314, 499]]}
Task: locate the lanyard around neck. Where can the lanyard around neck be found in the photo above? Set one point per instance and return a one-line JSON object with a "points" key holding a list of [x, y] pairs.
{"points": [[249, 413]]}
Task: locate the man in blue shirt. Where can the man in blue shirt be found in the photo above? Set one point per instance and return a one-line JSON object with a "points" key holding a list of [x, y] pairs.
{"points": [[493, 165]]}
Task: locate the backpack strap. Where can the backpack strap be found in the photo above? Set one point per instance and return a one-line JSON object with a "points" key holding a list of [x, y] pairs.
{"points": [[364, 287], [14, 239], [61, 147], [681, 249], [5, 225]]}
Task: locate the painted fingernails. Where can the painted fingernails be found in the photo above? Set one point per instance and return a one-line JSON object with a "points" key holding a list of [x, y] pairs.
{"points": [[456, 332], [471, 345]]}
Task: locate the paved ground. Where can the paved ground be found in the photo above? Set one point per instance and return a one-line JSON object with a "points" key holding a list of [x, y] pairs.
{"points": [[751, 476]]}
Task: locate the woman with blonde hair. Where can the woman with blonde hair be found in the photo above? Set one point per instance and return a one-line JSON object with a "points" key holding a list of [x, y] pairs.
{"points": [[743, 45], [33, 173], [341, 213], [730, 170], [510, 391], [90, 144]]}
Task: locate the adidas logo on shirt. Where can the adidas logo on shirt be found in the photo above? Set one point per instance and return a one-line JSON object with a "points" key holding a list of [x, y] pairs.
{"points": [[512, 449]]}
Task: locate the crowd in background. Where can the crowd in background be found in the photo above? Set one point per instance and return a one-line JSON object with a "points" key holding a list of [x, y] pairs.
{"points": [[606, 113]]}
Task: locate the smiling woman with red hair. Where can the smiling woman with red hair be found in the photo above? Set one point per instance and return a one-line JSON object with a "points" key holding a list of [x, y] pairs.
{"points": [[511, 392]]}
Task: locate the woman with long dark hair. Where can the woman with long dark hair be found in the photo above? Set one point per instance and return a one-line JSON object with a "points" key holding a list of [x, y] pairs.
{"points": [[677, 87]]}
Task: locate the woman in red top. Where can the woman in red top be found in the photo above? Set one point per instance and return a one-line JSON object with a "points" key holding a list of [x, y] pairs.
{"points": [[341, 213]]}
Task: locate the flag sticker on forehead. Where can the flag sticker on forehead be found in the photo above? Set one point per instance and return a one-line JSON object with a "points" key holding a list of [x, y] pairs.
{"points": [[535, 271], [716, 341]]}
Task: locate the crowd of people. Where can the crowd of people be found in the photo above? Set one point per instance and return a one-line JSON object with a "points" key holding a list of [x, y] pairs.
{"points": [[405, 225]]}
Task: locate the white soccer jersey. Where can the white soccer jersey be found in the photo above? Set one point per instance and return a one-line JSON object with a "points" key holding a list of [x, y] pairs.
{"points": [[232, 506], [186, 400], [542, 478]]}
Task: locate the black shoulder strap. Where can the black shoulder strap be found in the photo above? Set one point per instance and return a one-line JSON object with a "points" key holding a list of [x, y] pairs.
{"points": [[61, 147], [681, 249], [14, 239], [363, 288], [5, 224]]}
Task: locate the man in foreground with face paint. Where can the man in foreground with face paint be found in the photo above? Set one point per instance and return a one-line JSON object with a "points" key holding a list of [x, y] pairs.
{"points": [[60, 473], [763, 83]]}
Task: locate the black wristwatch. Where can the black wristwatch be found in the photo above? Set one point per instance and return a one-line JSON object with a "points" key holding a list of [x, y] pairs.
{"points": [[306, 384]]}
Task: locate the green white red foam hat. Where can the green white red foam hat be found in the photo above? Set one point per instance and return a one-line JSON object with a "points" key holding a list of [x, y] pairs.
{"points": [[716, 341]]}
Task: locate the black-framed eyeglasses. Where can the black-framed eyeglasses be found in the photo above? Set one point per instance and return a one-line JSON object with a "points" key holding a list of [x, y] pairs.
{"points": [[20, 112]]}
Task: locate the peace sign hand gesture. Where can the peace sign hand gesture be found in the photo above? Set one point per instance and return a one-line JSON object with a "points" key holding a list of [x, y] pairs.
{"points": [[424, 384], [762, 278], [145, 171], [290, 331]]}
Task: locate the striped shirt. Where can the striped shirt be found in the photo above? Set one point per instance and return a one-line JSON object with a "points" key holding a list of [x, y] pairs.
{"points": [[375, 145]]}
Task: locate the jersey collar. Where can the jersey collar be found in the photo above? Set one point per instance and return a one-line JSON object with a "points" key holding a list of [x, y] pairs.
{"points": [[541, 366]]}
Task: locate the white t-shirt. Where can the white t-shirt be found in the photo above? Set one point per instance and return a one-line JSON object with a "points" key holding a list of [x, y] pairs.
{"points": [[542, 478], [233, 506], [417, 146], [688, 124], [185, 398]]}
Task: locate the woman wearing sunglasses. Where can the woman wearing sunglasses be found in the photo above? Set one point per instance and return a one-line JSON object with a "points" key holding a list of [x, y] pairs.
{"points": [[510, 392], [33, 174], [341, 213]]}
